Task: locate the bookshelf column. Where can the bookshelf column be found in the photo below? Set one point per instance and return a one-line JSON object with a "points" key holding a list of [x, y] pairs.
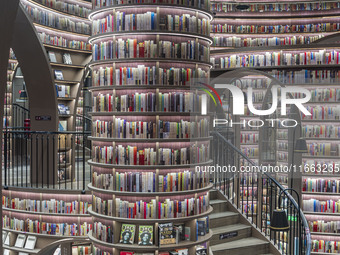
{"points": [[148, 134]]}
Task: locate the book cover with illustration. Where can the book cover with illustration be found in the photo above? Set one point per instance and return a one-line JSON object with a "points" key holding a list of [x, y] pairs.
{"points": [[167, 233], [127, 234], [145, 235]]}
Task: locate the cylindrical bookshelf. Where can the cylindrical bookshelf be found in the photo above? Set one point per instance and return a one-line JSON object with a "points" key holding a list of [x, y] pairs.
{"points": [[145, 145]]}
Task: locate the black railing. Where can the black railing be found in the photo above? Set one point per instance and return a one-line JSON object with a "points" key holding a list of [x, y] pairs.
{"points": [[20, 114], [256, 195], [53, 160]]}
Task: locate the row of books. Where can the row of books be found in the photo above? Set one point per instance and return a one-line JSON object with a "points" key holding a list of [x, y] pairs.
{"points": [[255, 83], [276, 29], [322, 95], [320, 57], [147, 181], [322, 112], [121, 128], [103, 232], [282, 156], [324, 76], [132, 48], [314, 205], [70, 8], [162, 210], [249, 138], [63, 42], [250, 151], [146, 75], [283, 146], [325, 246], [277, 7], [52, 20], [147, 102], [320, 185], [46, 206], [121, 21], [324, 227], [320, 167], [250, 208], [204, 4], [234, 41], [248, 179], [323, 149], [41, 227], [131, 155]]}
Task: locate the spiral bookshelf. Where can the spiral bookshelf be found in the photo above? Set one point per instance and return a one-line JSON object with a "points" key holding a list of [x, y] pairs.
{"points": [[148, 133]]}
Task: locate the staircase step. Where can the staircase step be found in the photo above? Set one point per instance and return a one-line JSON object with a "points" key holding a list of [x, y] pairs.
{"points": [[251, 245], [223, 218], [219, 205], [213, 194], [241, 231]]}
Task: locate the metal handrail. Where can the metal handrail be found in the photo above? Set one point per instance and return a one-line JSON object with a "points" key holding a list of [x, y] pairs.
{"points": [[302, 217]]}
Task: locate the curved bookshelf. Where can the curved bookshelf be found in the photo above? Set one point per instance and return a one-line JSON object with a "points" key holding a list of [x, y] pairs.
{"points": [[148, 32], [154, 247], [142, 194], [132, 220], [54, 10], [119, 86], [148, 166], [100, 10]]}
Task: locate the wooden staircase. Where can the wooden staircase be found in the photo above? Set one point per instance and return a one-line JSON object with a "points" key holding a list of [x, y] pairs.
{"points": [[240, 237]]}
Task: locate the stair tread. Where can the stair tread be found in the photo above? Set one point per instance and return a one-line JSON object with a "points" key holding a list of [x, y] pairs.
{"points": [[222, 214], [229, 228], [217, 201], [241, 243]]}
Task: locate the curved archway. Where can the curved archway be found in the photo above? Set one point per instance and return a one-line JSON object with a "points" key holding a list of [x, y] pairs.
{"points": [[37, 72]]}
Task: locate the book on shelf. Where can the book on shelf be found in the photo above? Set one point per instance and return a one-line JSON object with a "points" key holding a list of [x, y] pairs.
{"points": [[58, 74], [20, 241], [52, 57], [4, 235], [182, 251], [30, 242], [180, 232], [127, 234], [63, 109], [167, 233], [145, 235], [63, 90], [201, 227], [67, 59], [62, 125], [201, 250], [187, 233], [127, 253]]}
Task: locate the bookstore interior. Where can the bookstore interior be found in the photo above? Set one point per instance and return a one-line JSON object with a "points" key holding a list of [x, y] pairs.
{"points": [[170, 127]]}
